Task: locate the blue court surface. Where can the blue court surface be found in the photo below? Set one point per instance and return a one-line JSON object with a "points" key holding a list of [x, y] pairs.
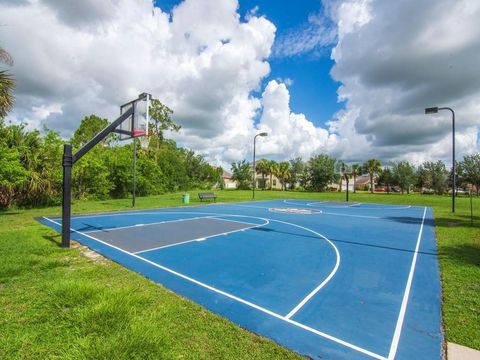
{"points": [[330, 280]]}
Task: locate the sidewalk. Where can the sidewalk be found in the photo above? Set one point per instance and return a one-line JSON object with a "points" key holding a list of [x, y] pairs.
{"points": [[459, 352]]}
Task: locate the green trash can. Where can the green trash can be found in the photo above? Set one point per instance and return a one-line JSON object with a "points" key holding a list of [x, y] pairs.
{"points": [[185, 198]]}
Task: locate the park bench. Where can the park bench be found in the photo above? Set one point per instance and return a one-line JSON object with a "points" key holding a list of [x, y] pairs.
{"points": [[207, 196]]}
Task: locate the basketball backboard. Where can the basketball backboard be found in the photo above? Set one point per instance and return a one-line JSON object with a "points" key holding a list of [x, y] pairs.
{"points": [[137, 124]]}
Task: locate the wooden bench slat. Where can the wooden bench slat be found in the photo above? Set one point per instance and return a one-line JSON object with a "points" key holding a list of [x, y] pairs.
{"points": [[202, 196]]}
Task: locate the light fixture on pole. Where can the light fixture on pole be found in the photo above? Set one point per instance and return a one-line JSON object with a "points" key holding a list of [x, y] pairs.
{"points": [[434, 110], [254, 167]]}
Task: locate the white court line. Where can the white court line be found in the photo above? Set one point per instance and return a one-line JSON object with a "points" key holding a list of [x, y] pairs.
{"points": [[403, 308], [294, 203], [154, 223], [385, 207], [251, 206], [233, 297], [355, 205], [235, 221], [202, 238], [315, 202], [324, 282], [323, 212], [349, 215]]}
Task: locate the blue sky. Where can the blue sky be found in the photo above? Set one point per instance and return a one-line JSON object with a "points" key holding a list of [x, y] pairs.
{"points": [[313, 92]]}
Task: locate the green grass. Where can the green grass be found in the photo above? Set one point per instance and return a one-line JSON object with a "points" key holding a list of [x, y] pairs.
{"points": [[59, 303]]}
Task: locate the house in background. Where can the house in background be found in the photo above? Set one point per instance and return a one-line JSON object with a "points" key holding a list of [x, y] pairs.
{"points": [[265, 183], [363, 182], [336, 185], [228, 182]]}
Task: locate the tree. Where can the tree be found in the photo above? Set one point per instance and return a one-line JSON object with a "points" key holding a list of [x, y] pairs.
{"points": [[304, 177], [241, 173], [386, 178], [296, 169], [262, 168], [321, 171], [7, 84], [160, 120], [471, 170], [91, 177], [89, 127], [12, 175], [356, 169], [339, 165], [460, 181], [404, 175], [372, 167], [284, 173], [272, 170], [422, 181], [435, 176]]}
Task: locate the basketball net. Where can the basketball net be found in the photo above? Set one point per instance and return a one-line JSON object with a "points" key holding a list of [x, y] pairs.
{"points": [[144, 141]]}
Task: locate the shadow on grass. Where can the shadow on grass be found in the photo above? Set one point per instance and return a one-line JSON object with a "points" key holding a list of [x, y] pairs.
{"points": [[462, 254], [458, 221], [7, 213], [56, 239]]}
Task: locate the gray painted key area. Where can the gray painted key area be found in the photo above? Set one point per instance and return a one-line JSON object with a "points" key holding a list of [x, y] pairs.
{"points": [[141, 238]]}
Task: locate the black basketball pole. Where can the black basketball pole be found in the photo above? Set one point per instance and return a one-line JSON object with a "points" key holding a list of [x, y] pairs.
{"points": [[67, 193], [69, 160]]}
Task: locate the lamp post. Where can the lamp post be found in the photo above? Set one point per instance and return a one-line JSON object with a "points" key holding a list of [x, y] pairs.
{"points": [[344, 174], [434, 110], [254, 167]]}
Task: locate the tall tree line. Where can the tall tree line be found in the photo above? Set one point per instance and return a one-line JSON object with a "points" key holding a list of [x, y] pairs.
{"points": [[321, 171], [31, 166]]}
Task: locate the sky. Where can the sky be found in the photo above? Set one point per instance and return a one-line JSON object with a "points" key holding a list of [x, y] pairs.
{"points": [[349, 78]]}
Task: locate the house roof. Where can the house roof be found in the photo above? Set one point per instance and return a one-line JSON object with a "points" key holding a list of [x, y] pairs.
{"points": [[362, 180], [226, 175]]}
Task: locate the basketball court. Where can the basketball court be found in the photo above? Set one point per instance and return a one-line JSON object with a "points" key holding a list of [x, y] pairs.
{"points": [[330, 280]]}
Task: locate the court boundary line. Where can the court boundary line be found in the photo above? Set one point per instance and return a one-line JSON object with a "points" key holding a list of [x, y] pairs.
{"points": [[323, 283], [203, 238], [401, 316], [358, 216], [356, 205], [147, 224], [233, 297], [218, 217], [402, 313], [317, 213]]}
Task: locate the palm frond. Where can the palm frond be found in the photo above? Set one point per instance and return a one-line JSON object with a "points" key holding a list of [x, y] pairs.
{"points": [[7, 84], [5, 57]]}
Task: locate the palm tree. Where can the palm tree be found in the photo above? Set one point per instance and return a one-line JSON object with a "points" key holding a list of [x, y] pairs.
{"points": [[7, 85], [355, 171], [284, 173], [262, 168], [372, 167], [272, 170]]}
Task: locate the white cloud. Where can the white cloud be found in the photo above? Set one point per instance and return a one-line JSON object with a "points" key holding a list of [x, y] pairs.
{"points": [[393, 60], [207, 64], [313, 36], [290, 134], [201, 60]]}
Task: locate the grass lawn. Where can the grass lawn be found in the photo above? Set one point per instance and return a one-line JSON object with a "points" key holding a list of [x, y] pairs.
{"points": [[59, 303]]}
